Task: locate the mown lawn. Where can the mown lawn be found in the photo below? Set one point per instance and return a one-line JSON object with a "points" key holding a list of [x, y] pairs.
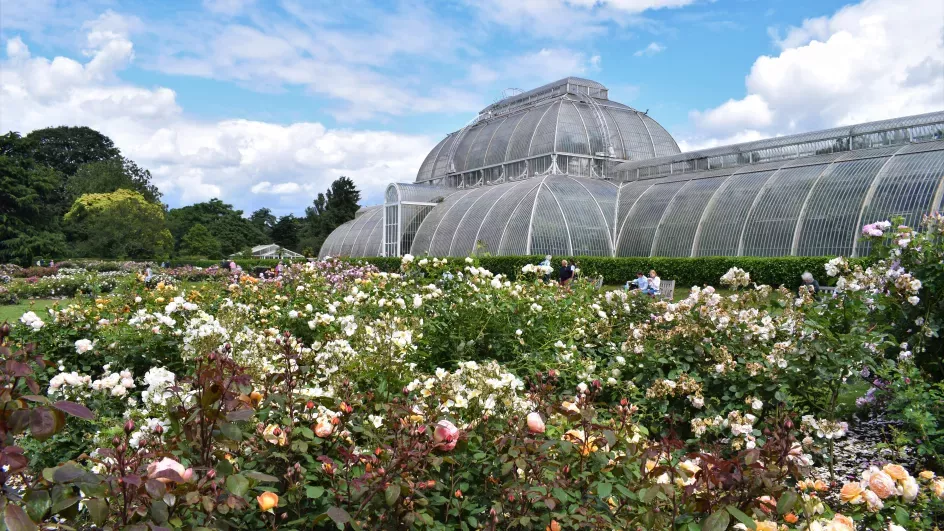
{"points": [[13, 312]]}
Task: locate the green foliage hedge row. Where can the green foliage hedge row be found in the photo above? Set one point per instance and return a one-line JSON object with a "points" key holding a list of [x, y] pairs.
{"points": [[777, 271]]}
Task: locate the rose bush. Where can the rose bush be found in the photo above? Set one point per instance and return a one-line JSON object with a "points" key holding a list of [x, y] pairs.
{"points": [[448, 397]]}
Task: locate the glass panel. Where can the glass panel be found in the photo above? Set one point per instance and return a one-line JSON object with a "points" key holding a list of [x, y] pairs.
{"points": [[544, 134], [548, 231], [391, 232], [571, 133], [637, 144], [832, 211], [441, 168], [465, 144], [595, 130], [463, 243], [476, 157], [589, 234], [772, 224], [449, 224], [663, 142], [499, 146], [676, 233], [721, 224], [640, 226], [514, 238], [520, 141]]}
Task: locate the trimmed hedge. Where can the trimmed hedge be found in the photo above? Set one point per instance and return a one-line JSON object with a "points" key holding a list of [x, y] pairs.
{"points": [[777, 271]]}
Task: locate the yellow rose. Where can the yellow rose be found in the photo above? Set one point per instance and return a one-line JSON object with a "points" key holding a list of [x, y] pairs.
{"points": [[267, 501], [926, 474]]}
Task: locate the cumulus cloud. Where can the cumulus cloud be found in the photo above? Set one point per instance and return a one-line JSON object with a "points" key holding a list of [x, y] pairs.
{"points": [[870, 61], [650, 50], [191, 159]]}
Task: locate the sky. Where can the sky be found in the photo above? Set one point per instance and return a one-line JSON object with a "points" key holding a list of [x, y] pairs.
{"points": [[263, 103]]}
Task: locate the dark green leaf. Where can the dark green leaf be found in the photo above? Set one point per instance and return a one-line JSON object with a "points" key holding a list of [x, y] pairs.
{"points": [[237, 484], [604, 489], [37, 503], [338, 515], [718, 521], [786, 502], [314, 492], [98, 510], [392, 494], [745, 519]]}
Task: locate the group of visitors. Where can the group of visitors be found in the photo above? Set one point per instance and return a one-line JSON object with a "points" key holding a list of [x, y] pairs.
{"points": [[649, 285], [565, 275]]}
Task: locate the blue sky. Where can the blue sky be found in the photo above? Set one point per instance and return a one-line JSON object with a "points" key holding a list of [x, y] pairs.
{"points": [[264, 102]]}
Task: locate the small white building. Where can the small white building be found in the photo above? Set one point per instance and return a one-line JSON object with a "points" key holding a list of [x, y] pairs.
{"points": [[273, 250]]}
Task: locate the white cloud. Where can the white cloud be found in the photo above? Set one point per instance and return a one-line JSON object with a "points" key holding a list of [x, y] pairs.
{"points": [[650, 50], [227, 7], [870, 61], [191, 159], [569, 19]]}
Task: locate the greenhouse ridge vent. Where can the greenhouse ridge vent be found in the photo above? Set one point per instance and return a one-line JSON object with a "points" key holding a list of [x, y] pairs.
{"points": [[563, 170]]}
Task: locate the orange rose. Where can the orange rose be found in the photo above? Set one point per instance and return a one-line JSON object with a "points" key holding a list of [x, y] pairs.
{"points": [[820, 485], [897, 472], [851, 493], [267, 501], [882, 485], [554, 526], [791, 518]]}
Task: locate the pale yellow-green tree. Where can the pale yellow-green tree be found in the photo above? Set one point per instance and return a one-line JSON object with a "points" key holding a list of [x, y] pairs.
{"points": [[120, 224]]}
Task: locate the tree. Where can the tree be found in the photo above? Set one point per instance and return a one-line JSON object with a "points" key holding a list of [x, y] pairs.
{"points": [[199, 242], [227, 225], [106, 176], [67, 148], [328, 211], [121, 224], [29, 224], [264, 220], [286, 232]]}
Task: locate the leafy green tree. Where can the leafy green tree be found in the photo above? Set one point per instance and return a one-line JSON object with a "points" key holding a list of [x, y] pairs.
{"points": [[226, 224], [286, 232], [67, 148], [328, 211], [106, 176], [199, 242], [264, 220], [29, 223], [121, 224]]}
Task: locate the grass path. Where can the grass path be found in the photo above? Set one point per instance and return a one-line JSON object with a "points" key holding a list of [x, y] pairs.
{"points": [[13, 312]]}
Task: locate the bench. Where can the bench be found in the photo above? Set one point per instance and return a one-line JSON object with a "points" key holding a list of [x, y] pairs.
{"points": [[828, 289]]}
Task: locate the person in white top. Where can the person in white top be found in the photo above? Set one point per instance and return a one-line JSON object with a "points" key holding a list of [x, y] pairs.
{"points": [[654, 283]]}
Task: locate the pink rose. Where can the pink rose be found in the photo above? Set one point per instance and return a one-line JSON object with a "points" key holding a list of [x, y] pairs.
{"points": [[446, 435], [167, 470], [535, 422]]}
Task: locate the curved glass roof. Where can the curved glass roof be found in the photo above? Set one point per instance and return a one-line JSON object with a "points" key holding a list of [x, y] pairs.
{"points": [[362, 236], [572, 117], [555, 214], [808, 206]]}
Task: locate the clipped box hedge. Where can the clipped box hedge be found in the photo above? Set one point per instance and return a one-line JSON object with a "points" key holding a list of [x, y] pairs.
{"points": [[777, 271]]}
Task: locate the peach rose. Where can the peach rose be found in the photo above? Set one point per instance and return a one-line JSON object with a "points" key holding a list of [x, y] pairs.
{"points": [[766, 525], [882, 485], [324, 429], [851, 493], [897, 472], [937, 487], [554, 526], [535, 422], [872, 502], [842, 523], [267, 501], [165, 469]]}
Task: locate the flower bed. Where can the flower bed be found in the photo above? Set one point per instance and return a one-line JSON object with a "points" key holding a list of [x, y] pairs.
{"points": [[445, 396]]}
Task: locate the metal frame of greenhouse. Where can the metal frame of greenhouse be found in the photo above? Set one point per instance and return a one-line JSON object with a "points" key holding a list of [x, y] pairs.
{"points": [[562, 170]]}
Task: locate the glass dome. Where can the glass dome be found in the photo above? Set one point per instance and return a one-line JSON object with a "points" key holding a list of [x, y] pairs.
{"points": [[520, 136]]}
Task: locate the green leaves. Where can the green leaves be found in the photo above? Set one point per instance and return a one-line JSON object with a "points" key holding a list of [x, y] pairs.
{"points": [[16, 518], [237, 484], [717, 521]]}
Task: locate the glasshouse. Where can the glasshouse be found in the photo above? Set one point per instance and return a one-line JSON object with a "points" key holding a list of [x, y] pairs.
{"points": [[563, 170]]}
